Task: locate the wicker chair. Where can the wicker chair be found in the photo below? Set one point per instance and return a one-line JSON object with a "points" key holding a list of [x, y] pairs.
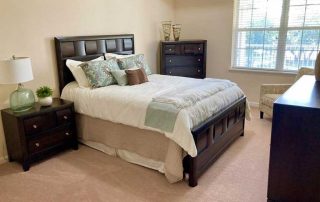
{"points": [[270, 92]]}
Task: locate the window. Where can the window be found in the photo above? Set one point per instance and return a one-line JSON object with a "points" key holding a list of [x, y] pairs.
{"points": [[278, 35]]}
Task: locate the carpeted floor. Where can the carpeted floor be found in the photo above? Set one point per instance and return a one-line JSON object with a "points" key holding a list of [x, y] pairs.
{"points": [[240, 174]]}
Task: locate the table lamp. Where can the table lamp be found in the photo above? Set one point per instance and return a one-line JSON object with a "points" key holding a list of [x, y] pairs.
{"points": [[16, 71]]}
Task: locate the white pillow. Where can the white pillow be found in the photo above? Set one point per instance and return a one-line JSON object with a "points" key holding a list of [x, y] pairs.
{"points": [[78, 73], [117, 56]]}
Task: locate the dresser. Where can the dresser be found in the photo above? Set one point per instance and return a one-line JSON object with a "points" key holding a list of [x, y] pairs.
{"points": [[294, 170], [183, 58], [39, 132]]}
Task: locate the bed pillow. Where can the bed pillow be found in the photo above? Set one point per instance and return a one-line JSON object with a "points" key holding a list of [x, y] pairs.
{"points": [[78, 73], [98, 72], [113, 55], [120, 76], [136, 76], [133, 61]]}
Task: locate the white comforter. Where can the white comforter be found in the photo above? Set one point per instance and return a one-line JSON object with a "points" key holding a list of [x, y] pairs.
{"points": [[128, 105]]}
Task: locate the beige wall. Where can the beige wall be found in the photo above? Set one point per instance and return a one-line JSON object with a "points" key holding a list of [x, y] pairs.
{"points": [[212, 20], [28, 27]]}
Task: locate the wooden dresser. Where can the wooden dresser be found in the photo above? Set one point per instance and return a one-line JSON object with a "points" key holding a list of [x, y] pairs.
{"points": [[38, 132], [184, 58], [294, 171]]}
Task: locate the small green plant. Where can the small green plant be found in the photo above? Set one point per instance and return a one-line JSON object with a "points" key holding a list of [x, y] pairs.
{"points": [[44, 91]]}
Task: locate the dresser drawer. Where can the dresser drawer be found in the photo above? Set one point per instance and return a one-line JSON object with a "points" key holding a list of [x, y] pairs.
{"points": [[38, 123], [64, 116], [172, 49], [172, 60], [196, 48], [185, 71], [44, 142]]}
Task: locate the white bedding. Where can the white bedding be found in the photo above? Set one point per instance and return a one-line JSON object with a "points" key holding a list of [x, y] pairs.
{"points": [[128, 105]]}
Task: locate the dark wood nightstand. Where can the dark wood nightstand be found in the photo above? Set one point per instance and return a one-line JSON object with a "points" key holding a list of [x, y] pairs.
{"points": [[184, 58], [39, 132]]}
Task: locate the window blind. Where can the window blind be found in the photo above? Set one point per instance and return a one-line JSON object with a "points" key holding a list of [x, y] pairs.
{"points": [[281, 35]]}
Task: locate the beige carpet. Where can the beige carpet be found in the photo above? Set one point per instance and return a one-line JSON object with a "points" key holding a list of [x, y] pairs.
{"points": [[88, 175]]}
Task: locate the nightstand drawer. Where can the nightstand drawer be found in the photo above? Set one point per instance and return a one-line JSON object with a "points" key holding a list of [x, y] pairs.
{"points": [[52, 139], [38, 123], [64, 116]]}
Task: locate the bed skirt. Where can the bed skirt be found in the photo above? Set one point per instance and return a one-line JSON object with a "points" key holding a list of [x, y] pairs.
{"points": [[143, 147]]}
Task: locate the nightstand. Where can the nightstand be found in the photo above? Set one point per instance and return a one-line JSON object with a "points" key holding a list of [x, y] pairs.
{"points": [[39, 132]]}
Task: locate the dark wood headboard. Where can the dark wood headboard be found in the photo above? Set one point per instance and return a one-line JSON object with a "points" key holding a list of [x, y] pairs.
{"points": [[84, 48]]}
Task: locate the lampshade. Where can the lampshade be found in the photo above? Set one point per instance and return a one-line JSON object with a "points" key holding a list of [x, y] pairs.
{"points": [[17, 70]]}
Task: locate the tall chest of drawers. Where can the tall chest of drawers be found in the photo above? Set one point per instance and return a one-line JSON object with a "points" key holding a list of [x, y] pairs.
{"points": [[183, 58], [39, 132]]}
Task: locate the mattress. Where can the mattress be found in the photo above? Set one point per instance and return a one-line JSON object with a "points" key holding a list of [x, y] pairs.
{"points": [[128, 105]]}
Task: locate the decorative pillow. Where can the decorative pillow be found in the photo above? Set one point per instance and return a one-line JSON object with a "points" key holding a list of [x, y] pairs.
{"points": [[136, 76], [133, 61], [120, 76], [78, 73], [112, 64], [98, 72]]}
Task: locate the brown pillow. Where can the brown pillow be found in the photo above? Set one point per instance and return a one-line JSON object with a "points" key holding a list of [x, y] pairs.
{"points": [[136, 76]]}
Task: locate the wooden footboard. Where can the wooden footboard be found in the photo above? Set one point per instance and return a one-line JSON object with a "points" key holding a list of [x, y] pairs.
{"points": [[212, 138]]}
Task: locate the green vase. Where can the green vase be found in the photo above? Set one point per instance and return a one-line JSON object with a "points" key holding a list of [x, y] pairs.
{"points": [[21, 99]]}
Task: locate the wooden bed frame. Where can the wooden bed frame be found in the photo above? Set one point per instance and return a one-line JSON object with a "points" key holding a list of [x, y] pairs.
{"points": [[212, 137]]}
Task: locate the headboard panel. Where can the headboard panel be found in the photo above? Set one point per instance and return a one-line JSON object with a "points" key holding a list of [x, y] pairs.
{"points": [[84, 48]]}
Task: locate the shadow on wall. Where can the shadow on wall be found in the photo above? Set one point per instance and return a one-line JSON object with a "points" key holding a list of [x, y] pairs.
{"points": [[50, 48], [5, 91]]}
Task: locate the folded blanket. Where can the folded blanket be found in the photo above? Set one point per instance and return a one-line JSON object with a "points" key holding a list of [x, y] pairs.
{"points": [[164, 108]]}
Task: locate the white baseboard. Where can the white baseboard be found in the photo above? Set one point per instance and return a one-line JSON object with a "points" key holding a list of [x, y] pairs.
{"points": [[3, 159], [254, 104]]}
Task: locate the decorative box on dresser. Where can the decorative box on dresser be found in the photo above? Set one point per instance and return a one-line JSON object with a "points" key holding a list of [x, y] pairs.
{"points": [[39, 132], [183, 58], [294, 170]]}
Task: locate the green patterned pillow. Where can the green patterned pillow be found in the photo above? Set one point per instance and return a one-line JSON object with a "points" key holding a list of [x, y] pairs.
{"points": [[98, 72], [120, 76], [112, 64], [134, 61]]}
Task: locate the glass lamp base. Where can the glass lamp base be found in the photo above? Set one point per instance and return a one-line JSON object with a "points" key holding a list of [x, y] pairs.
{"points": [[21, 99]]}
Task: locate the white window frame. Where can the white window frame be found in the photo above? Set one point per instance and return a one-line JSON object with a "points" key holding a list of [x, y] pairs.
{"points": [[283, 30]]}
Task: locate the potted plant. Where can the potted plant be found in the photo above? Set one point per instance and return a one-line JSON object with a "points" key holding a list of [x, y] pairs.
{"points": [[44, 94]]}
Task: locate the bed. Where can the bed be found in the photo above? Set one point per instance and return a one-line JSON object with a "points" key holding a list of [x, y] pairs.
{"points": [[139, 145]]}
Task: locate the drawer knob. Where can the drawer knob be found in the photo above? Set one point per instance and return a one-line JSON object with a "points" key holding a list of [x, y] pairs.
{"points": [[169, 72], [199, 70], [34, 126], [65, 117], [37, 144], [199, 60], [67, 134], [170, 61], [170, 49], [199, 49]]}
